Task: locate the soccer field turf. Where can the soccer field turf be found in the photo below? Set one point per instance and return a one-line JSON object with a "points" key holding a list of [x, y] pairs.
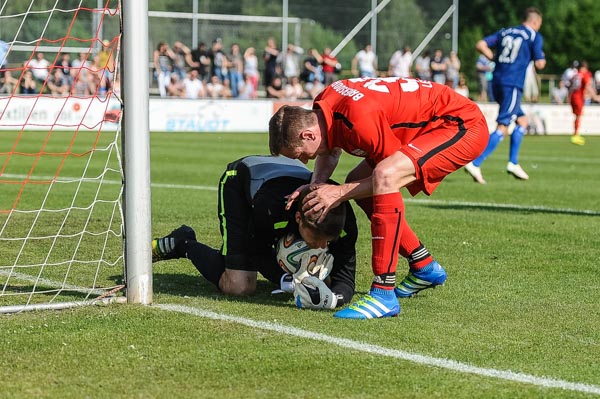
{"points": [[518, 317]]}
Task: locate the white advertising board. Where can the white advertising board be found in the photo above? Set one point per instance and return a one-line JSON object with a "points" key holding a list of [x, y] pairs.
{"points": [[200, 116]]}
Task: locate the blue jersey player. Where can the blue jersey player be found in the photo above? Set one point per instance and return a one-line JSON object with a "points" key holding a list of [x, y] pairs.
{"points": [[514, 48]]}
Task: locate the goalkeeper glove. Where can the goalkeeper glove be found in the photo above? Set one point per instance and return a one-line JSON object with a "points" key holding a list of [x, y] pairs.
{"points": [[313, 293], [312, 265]]}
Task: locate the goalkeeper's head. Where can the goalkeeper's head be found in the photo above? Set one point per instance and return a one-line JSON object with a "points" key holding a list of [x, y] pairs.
{"points": [[319, 234]]}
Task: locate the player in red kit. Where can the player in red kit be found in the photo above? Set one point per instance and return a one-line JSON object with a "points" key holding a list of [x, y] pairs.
{"points": [[411, 133], [581, 85]]}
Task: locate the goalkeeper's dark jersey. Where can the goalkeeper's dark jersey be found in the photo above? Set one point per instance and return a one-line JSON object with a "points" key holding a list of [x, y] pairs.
{"points": [[253, 192]]}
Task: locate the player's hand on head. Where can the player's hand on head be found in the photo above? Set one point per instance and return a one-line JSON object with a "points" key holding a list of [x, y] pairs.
{"points": [[321, 200], [293, 196]]}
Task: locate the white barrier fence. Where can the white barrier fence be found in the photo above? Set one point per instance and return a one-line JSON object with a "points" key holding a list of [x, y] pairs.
{"points": [[200, 116]]}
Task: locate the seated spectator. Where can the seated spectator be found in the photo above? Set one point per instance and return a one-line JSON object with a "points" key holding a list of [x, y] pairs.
{"points": [[64, 63], [275, 88], [7, 82], [194, 88], [294, 89], [214, 87], [175, 88], [462, 87], [248, 89], [559, 94], [82, 86], [315, 88], [58, 84], [27, 85]]}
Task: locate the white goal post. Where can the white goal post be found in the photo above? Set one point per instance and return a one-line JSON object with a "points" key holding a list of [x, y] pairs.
{"points": [[75, 225]]}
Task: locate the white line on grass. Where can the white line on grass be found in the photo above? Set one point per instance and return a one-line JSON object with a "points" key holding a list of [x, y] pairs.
{"points": [[492, 205], [388, 352]]}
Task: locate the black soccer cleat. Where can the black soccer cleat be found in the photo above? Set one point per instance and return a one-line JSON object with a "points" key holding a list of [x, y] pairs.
{"points": [[168, 247]]}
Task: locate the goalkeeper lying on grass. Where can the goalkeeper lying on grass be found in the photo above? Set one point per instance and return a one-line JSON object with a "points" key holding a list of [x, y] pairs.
{"points": [[252, 215]]}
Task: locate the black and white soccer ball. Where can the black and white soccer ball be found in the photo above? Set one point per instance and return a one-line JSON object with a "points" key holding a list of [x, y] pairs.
{"points": [[291, 248]]}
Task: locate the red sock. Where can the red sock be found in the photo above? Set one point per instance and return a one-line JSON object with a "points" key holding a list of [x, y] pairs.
{"points": [[577, 123], [386, 222]]}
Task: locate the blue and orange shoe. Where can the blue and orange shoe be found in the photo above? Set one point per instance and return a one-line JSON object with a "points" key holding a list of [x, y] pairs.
{"points": [[430, 276], [376, 304], [167, 247]]}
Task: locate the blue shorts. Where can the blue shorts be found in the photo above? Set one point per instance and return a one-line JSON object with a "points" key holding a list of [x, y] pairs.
{"points": [[509, 99]]}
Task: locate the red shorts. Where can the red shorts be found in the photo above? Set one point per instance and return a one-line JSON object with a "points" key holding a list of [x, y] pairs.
{"points": [[447, 146], [577, 105]]}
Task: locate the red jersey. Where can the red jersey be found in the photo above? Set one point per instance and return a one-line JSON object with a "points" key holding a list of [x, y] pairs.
{"points": [[374, 117], [326, 67]]}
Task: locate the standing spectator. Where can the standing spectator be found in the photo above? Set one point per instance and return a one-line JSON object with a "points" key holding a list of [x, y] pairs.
{"points": [[438, 67], [251, 73], [509, 77], [194, 87], [3, 55], [290, 62], [581, 87], [312, 68], [181, 57], [81, 64], [559, 93], [40, 67], [27, 84], [484, 67], [270, 58], [236, 69], [364, 63], [218, 60], [200, 61], [330, 65], [531, 91], [422, 66], [163, 59], [400, 63], [106, 58], [452, 69]]}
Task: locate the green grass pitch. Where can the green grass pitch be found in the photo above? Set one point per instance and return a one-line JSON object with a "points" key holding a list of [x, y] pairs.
{"points": [[522, 296]]}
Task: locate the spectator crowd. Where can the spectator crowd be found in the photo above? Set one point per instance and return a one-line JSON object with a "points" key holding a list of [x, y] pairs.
{"points": [[217, 72]]}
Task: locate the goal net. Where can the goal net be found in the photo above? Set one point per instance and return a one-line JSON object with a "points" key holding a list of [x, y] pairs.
{"points": [[61, 219]]}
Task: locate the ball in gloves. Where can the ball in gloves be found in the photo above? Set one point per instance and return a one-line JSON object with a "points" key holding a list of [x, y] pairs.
{"points": [[291, 248]]}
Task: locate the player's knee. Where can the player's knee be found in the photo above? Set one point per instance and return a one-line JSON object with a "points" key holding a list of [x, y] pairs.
{"points": [[238, 283], [394, 172]]}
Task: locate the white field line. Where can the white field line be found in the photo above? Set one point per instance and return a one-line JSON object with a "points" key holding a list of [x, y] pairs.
{"points": [[448, 364], [452, 365], [469, 204]]}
